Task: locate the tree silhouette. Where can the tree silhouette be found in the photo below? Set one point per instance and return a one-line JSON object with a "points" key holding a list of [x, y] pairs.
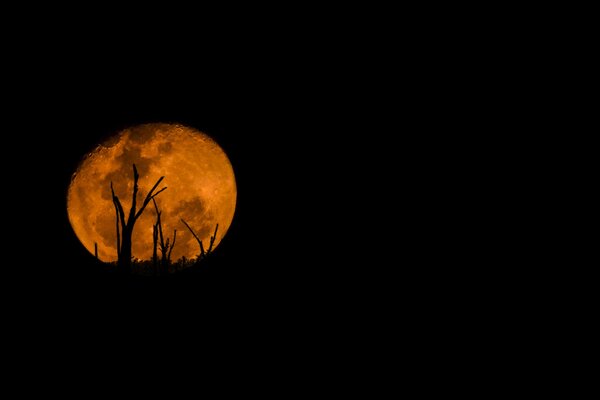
{"points": [[203, 254], [126, 227], [165, 247]]}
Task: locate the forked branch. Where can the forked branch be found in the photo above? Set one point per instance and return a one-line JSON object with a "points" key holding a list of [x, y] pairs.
{"points": [[150, 196], [212, 240]]}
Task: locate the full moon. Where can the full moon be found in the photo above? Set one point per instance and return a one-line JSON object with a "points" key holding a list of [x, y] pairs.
{"points": [[200, 183]]}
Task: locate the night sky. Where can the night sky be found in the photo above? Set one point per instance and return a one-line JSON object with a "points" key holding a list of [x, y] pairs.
{"points": [[314, 172], [370, 159], [273, 247]]}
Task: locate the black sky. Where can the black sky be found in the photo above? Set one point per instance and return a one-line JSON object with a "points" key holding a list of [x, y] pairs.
{"points": [[373, 203], [271, 136], [316, 167]]}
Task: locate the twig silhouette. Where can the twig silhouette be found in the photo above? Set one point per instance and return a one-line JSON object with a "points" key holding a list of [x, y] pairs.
{"points": [[165, 247], [203, 253]]}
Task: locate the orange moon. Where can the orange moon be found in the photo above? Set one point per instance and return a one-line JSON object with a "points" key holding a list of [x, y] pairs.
{"points": [[200, 183]]}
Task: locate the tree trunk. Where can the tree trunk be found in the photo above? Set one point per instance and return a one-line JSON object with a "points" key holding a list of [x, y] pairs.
{"points": [[125, 258], [165, 264]]}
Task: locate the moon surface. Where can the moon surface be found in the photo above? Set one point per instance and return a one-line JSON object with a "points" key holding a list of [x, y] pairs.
{"points": [[200, 182]]}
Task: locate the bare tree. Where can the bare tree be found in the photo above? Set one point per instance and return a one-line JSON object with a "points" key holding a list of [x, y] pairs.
{"points": [[203, 253], [126, 227], [165, 247]]}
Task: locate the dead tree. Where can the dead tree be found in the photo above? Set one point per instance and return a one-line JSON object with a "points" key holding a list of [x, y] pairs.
{"points": [[203, 253], [126, 226], [165, 247]]}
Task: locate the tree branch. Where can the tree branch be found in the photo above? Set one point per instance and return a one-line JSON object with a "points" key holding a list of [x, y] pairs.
{"points": [[202, 252], [150, 196], [157, 193], [132, 215], [120, 215], [159, 224], [196, 236], [172, 244], [212, 240]]}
